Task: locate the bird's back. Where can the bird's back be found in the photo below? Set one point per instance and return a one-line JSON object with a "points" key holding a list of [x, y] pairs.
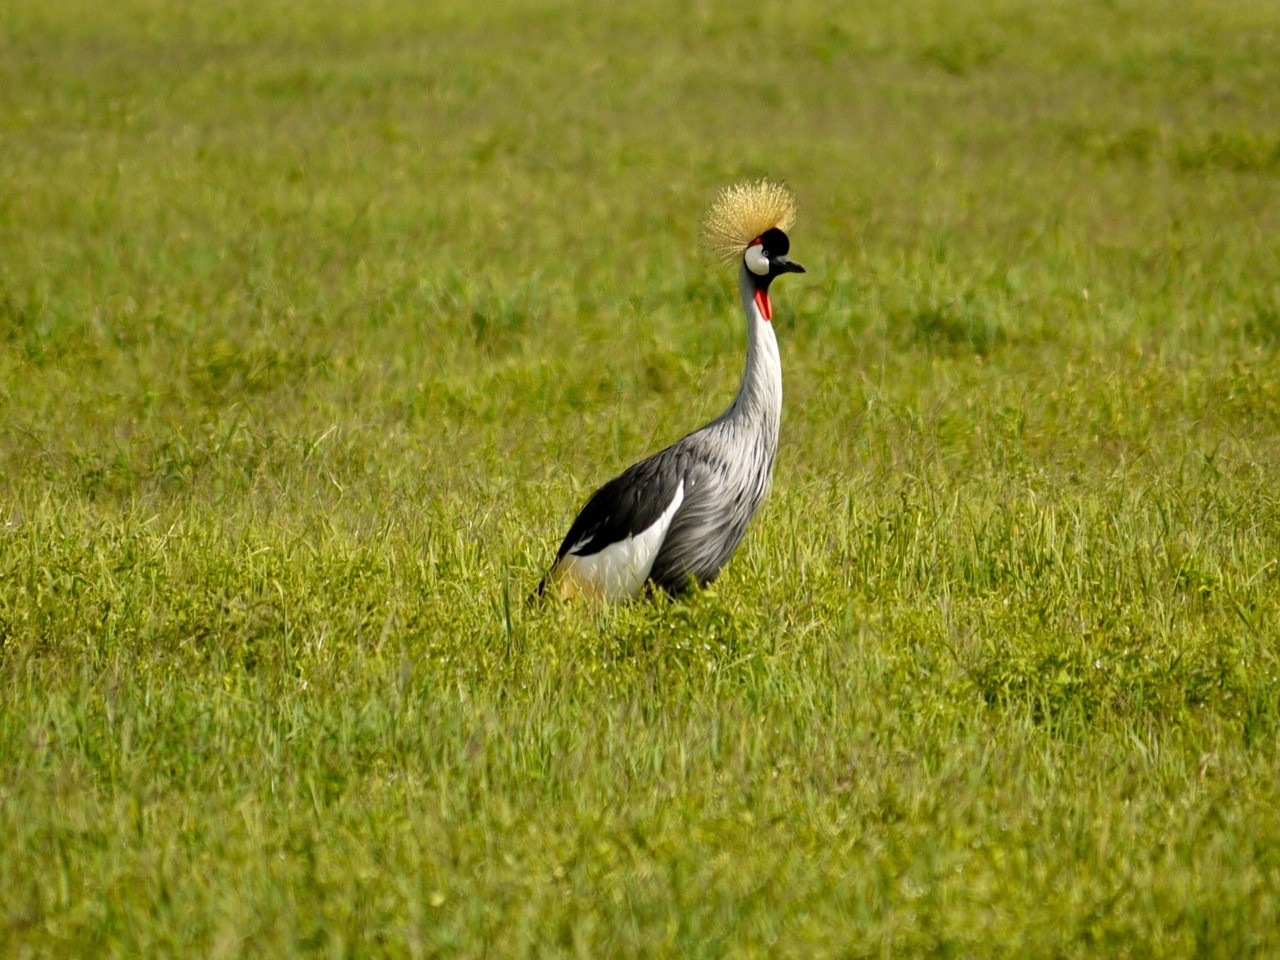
{"points": [[673, 520]]}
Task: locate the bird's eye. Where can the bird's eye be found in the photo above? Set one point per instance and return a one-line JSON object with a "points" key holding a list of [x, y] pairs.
{"points": [[757, 260]]}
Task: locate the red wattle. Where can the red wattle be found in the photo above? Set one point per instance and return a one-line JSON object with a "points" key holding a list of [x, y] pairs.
{"points": [[763, 304]]}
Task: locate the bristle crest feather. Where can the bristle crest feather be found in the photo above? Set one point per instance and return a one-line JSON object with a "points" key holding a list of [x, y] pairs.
{"points": [[743, 211]]}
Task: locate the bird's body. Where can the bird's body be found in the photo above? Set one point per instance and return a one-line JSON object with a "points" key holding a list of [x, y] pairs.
{"points": [[674, 519]]}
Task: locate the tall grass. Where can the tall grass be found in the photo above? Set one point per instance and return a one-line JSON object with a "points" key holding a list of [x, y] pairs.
{"points": [[317, 323]]}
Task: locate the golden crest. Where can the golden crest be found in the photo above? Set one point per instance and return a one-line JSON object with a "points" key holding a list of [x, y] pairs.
{"points": [[742, 212]]}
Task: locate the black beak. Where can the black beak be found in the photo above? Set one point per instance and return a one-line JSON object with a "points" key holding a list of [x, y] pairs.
{"points": [[787, 265]]}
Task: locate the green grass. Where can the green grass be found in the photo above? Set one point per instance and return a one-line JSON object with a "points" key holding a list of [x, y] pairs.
{"points": [[318, 322]]}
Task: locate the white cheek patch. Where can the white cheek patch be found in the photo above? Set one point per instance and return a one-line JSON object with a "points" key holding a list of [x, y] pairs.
{"points": [[756, 261]]}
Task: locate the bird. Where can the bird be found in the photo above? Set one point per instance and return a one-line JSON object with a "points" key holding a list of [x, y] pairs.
{"points": [[673, 520]]}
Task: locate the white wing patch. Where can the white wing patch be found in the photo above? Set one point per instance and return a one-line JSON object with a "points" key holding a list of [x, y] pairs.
{"points": [[619, 570]]}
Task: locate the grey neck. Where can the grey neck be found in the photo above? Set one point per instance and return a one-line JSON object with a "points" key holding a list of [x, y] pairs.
{"points": [[758, 404]]}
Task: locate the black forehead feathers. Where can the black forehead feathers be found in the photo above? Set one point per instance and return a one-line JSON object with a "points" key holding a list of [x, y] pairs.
{"points": [[775, 242]]}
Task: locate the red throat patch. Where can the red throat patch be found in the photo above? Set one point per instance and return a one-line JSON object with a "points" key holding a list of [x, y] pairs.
{"points": [[763, 304]]}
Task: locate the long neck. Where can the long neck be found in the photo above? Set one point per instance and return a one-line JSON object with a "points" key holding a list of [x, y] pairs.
{"points": [[758, 404]]}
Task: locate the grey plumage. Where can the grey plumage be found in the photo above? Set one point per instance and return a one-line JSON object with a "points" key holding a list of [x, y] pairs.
{"points": [[727, 467], [674, 519]]}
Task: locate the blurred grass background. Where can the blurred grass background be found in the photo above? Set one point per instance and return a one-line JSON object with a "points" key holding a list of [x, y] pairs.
{"points": [[318, 322]]}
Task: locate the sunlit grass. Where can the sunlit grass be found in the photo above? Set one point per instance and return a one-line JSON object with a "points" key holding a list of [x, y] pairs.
{"points": [[317, 325]]}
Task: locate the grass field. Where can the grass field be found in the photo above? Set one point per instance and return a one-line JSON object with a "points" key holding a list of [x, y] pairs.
{"points": [[318, 322]]}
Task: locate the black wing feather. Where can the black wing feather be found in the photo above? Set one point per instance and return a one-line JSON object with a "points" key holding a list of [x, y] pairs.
{"points": [[627, 505]]}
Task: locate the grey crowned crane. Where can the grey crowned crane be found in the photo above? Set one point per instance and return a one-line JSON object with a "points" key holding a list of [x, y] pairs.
{"points": [[674, 519]]}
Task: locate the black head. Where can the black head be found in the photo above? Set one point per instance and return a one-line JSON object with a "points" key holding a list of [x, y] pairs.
{"points": [[766, 258]]}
